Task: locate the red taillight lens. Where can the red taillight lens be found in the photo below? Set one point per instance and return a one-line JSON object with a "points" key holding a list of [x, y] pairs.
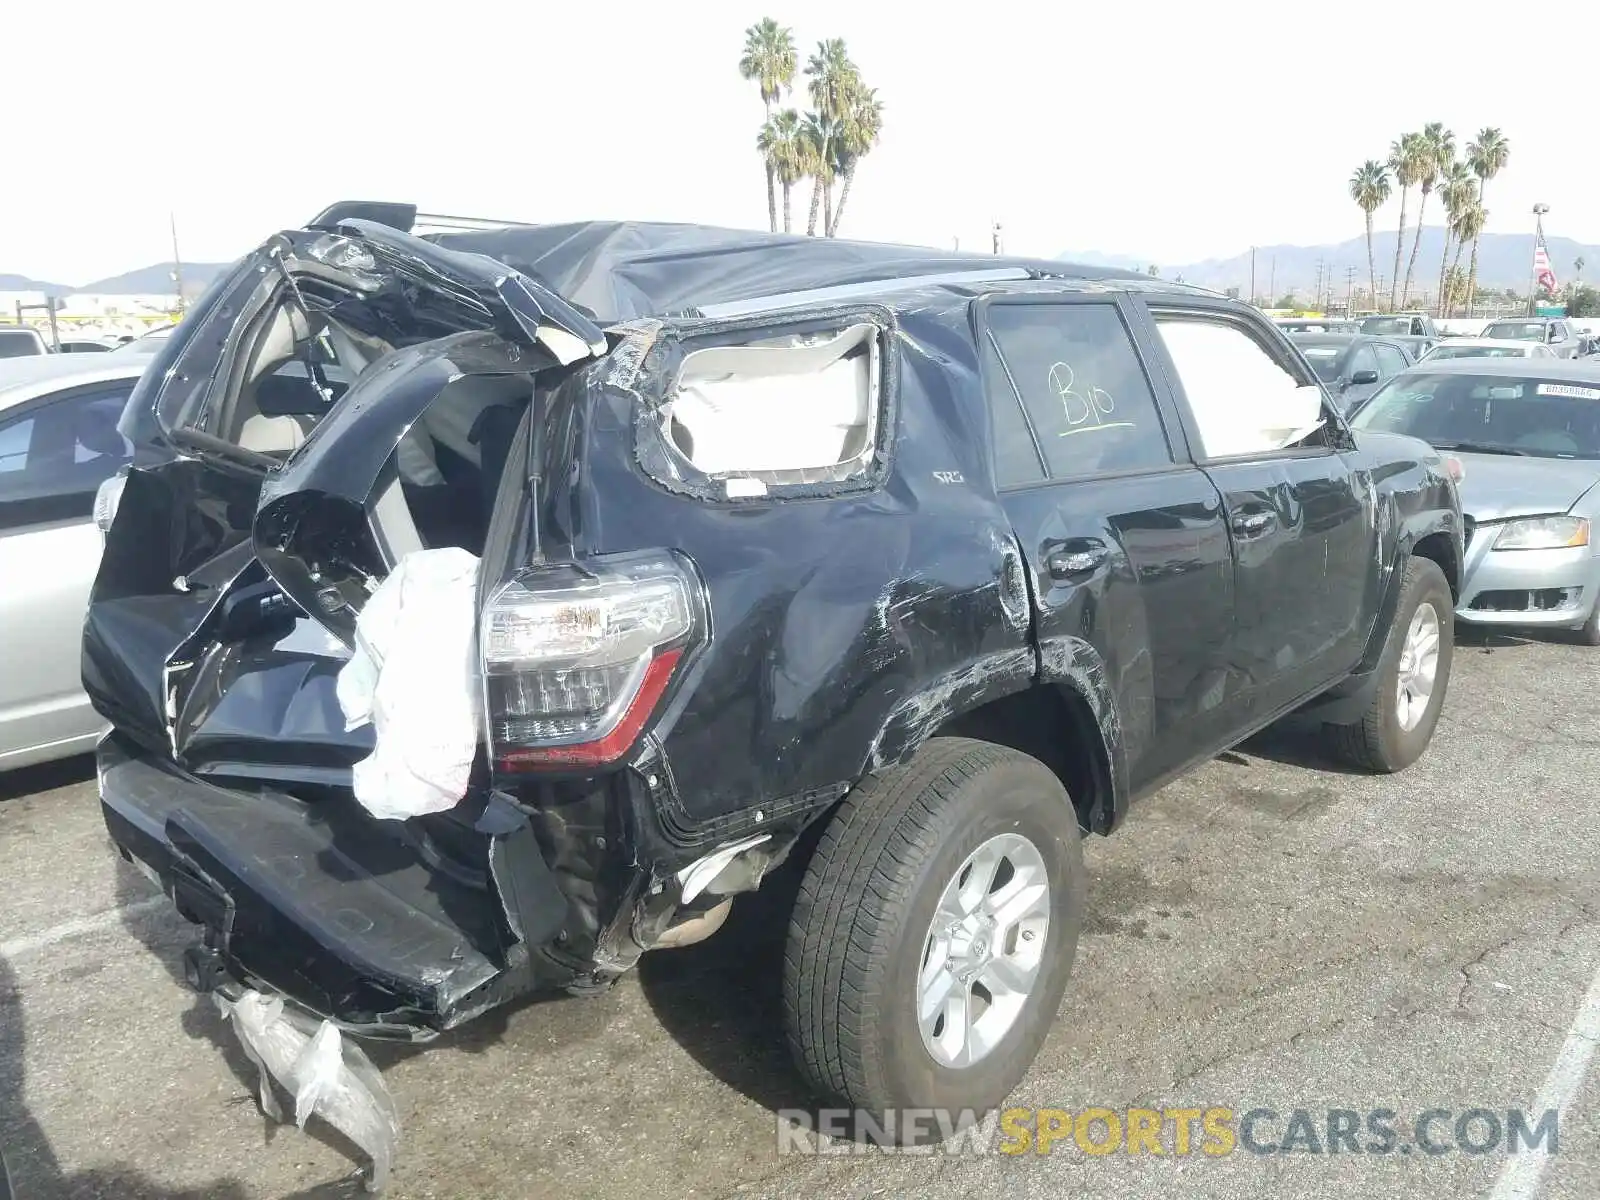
{"points": [[576, 659]]}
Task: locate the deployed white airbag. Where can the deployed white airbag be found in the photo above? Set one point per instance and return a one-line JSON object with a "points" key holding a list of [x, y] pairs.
{"points": [[414, 676], [1243, 401]]}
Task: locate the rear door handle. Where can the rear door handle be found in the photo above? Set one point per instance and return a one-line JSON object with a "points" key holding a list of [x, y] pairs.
{"points": [[1254, 524], [1076, 559]]}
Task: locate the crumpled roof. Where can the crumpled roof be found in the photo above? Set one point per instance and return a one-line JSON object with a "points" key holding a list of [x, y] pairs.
{"points": [[620, 270]]}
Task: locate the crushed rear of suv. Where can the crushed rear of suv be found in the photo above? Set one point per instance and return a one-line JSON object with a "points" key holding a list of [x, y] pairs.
{"points": [[484, 610]]}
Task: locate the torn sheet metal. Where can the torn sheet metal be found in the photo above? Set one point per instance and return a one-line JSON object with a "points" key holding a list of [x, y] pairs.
{"points": [[414, 678], [328, 1076]]}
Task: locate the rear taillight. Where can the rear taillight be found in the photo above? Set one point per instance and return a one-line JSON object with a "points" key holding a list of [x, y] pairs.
{"points": [[577, 659]]}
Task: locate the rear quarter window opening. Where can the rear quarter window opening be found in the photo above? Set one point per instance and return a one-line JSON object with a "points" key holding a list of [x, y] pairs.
{"points": [[772, 413]]}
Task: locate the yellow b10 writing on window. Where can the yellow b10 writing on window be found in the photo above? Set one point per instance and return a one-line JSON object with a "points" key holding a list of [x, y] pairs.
{"points": [[1087, 407]]}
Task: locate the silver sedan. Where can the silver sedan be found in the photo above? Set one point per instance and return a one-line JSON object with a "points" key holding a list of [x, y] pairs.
{"points": [[58, 444], [1526, 433]]}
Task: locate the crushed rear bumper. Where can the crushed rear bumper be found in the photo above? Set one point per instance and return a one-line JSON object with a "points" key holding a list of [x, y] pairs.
{"points": [[310, 901]]}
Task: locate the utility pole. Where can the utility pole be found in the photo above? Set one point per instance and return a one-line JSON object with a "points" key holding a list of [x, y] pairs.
{"points": [[1316, 295], [997, 237], [1252, 274], [1349, 290], [1539, 211], [1272, 279], [177, 261]]}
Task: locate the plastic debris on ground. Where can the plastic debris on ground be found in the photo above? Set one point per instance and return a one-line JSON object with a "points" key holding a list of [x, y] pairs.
{"points": [[414, 677], [327, 1075]]}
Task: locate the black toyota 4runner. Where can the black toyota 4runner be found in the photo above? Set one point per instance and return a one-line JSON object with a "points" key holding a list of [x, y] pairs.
{"points": [[919, 563]]}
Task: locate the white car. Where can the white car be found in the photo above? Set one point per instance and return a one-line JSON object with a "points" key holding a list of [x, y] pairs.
{"points": [[147, 343], [22, 341], [1480, 347], [58, 443]]}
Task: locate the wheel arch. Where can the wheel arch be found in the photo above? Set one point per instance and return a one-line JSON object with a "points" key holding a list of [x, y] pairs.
{"points": [[1054, 705]]}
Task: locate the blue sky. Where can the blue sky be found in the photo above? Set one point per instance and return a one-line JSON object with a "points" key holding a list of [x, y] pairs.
{"points": [[1164, 130]]}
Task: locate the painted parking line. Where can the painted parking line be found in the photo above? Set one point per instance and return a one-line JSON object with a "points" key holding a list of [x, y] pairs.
{"points": [[67, 930], [1520, 1179]]}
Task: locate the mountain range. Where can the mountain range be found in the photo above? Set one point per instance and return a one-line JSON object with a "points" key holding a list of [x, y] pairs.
{"points": [[154, 280], [1505, 260]]}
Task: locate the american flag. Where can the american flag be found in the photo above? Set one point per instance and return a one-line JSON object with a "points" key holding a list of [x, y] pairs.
{"points": [[1543, 272]]}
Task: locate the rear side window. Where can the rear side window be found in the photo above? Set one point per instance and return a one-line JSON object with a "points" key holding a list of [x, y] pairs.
{"points": [[1391, 361], [1075, 371], [1016, 454], [54, 456]]}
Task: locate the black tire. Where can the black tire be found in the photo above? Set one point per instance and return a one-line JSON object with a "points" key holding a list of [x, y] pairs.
{"points": [[1589, 632], [1377, 742], [859, 926]]}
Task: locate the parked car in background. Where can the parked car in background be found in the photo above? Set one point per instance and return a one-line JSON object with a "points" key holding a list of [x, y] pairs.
{"points": [[147, 343], [1553, 332], [1404, 324], [58, 444], [1352, 365], [1485, 348], [1415, 346], [21, 341], [1527, 434], [973, 644], [1316, 325], [82, 346]]}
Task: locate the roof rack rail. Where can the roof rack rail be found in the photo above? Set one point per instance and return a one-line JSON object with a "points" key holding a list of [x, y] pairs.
{"points": [[403, 217], [865, 287], [442, 223]]}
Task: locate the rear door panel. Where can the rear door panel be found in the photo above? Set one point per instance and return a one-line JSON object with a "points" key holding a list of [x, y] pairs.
{"points": [[1131, 564]]}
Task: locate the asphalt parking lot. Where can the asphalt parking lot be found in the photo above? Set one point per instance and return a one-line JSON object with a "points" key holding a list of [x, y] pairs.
{"points": [[1266, 933]]}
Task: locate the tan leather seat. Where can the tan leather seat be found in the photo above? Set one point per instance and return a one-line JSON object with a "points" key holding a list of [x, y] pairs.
{"points": [[272, 435]]}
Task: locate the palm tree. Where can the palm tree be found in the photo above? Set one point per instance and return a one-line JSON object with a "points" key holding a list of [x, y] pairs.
{"points": [[782, 144], [1457, 189], [769, 61], [1407, 157], [1432, 139], [833, 84], [1468, 225], [1577, 270], [1445, 151], [1487, 157], [817, 158], [1369, 188], [858, 134]]}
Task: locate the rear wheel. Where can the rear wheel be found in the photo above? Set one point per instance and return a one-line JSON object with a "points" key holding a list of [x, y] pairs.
{"points": [[934, 932], [1412, 676]]}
